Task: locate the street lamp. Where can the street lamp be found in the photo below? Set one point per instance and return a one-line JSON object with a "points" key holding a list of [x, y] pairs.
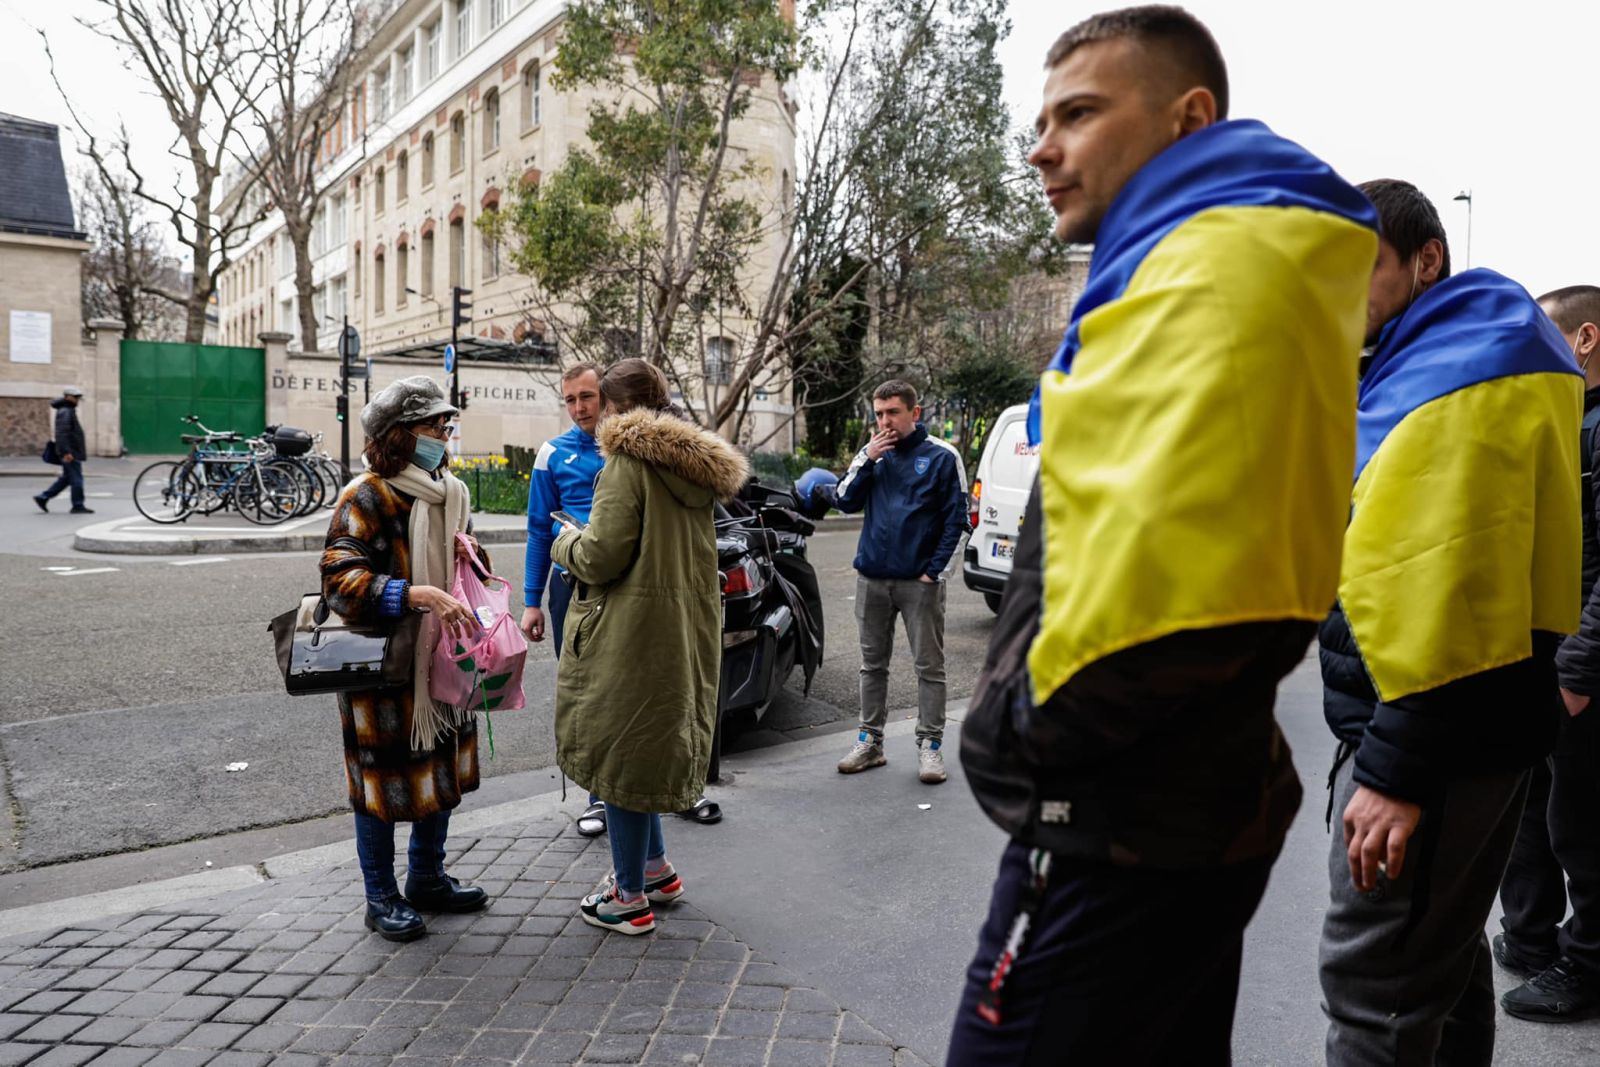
{"points": [[1466, 195]]}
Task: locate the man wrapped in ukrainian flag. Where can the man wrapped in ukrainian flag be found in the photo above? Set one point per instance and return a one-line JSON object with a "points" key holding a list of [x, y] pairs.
{"points": [[1197, 433], [1461, 569]]}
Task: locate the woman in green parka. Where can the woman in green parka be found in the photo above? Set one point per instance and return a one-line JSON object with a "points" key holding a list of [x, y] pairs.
{"points": [[636, 693]]}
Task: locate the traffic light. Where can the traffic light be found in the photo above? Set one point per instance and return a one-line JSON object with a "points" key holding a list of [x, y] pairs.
{"points": [[460, 308], [341, 407]]}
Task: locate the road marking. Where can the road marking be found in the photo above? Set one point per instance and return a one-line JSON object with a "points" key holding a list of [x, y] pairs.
{"points": [[89, 570], [58, 568], [197, 562]]}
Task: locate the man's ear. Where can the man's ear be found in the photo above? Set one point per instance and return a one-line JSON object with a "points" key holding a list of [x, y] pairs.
{"points": [[1195, 110], [1588, 338], [1432, 256]]}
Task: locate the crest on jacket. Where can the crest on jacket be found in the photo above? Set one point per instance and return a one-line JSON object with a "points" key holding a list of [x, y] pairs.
{"points": [[922, 464]]}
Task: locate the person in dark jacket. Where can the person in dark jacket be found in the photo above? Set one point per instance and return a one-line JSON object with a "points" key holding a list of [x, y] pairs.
{"points": [[1460, 570], [1560, 828], [72, 448], [914, 492], [1179, 548]]}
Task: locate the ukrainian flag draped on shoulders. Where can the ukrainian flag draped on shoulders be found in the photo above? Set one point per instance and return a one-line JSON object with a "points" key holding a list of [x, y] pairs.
{"points": [[1197, 425], [1465, 528]]}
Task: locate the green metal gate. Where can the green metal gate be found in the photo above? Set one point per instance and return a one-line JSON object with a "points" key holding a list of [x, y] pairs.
{"points": [[162, 382]]}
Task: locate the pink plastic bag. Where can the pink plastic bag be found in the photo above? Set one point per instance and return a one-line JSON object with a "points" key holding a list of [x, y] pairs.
{"points": [[483, 671]]}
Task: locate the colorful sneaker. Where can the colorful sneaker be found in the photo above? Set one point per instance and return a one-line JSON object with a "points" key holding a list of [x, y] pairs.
{"points": [[602, 908], [930, 762], [867, 754], [664, 887]]}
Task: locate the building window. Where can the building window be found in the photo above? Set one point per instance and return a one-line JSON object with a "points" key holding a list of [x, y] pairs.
{"points": [[401, 273], [319, 304], [380, 95], [491, 253], [719, 361], [377, 192], [286, 310], [491, 121], [402, 177], [530, 96], [336, 222], [463, 27], [356, 281], [337, 308], [458, 253], [430, 63], [377, 284], [286, 256], [427, 160], [458, 142], [497, 13], [426, 286], [402, 88]]}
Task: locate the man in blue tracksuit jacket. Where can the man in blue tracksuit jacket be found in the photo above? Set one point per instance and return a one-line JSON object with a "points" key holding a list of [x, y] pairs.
{"points": [[562, 480], [914, 490]]}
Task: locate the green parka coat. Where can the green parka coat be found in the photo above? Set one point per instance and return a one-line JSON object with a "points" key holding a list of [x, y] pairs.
{"points": [[636, 690]]}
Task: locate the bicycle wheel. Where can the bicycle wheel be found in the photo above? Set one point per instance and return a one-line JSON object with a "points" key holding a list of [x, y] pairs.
{"points": [[266, 495], [308, 485], [164, 492], [332, 480]]}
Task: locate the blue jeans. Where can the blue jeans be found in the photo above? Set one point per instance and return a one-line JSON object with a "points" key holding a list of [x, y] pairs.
{"points": [[71, 477], [560, 598], [635, 840], [375, 849]]}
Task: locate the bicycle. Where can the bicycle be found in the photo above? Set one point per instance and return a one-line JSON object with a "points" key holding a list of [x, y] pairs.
{"points": [[264, 489]]}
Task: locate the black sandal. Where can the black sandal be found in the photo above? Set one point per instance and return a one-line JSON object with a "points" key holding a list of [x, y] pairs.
{"points": [[592, 823], [705, 812]]}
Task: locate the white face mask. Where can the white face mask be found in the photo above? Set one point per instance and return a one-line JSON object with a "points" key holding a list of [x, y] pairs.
{"points": [[1583, 363]]}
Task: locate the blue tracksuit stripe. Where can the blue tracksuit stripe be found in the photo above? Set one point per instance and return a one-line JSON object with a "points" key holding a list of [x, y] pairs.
{"points": [[562, 480]]}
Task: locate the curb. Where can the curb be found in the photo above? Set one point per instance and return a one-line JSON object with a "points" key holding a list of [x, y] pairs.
{"points": [[109, 543]]}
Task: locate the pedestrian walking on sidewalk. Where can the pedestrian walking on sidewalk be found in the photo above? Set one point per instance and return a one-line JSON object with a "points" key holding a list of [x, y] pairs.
{"points": [[563, 478], [390, 550], [636, 688], [71, 448], [1560, 829], [914, 491], [1461, 568], [1196, 432]]}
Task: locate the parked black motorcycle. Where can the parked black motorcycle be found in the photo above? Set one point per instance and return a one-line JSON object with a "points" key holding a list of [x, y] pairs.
{"points": [[771, 604]]}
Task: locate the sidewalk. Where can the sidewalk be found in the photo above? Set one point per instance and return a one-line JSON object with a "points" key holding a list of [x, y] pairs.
{"points": [[828, 922], [228, 533]]}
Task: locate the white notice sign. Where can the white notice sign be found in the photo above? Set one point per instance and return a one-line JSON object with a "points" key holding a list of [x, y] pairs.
{"points": [[30, 337]]}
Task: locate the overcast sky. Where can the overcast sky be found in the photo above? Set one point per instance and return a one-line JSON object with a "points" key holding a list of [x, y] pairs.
{"points": [[1424, 90]]}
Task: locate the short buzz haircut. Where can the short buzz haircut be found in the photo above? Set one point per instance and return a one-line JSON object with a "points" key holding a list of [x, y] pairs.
{"points": [[1181, 41], [897, 388], [578, 369], [1407, 219], [1573, 306]]}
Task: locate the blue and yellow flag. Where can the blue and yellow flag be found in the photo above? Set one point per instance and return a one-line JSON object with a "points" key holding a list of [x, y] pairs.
{"points": [[1198, 422], [1465, 529]]}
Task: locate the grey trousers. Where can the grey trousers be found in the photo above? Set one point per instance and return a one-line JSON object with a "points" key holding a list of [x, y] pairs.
{"points": [[921, 605], [1424, 996]]}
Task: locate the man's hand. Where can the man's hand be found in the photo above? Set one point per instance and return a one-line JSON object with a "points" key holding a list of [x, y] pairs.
{"points": [[66, 457], [532, 624], [924, 578], [1575, 702], [1376, 830], [881, 442]]}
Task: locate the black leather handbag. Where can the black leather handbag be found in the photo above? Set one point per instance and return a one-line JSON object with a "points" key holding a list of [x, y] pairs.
{"points": [[319, 652]]}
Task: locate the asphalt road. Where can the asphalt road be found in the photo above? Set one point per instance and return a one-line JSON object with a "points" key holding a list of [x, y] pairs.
{"points": [[131, 683]]}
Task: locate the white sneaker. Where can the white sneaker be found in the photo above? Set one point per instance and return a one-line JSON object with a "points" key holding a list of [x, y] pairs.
{"points": [[930, 762], [867, 754]]}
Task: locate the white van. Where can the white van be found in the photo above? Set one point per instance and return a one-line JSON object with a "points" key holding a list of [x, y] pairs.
{"points": [[999, 497]]}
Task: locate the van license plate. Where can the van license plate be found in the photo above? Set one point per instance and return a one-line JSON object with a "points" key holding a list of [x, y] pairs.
{"points": [[1001, 548]]}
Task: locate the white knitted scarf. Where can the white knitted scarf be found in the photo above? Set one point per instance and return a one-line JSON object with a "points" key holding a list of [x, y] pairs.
{"points": [[440, 512]]}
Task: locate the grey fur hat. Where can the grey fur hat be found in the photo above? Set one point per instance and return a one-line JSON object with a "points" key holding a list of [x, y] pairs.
{"points": [[407, 400]]}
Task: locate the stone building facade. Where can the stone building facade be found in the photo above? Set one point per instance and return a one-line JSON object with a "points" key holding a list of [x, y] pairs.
{"points": [[454, 109]]}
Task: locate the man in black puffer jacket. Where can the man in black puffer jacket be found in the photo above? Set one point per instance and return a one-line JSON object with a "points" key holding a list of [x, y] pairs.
{"points": [[71, 449], [1561, 825]]}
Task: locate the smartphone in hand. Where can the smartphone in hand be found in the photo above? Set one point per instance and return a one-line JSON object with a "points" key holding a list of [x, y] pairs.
{"points": [[567, 518]]}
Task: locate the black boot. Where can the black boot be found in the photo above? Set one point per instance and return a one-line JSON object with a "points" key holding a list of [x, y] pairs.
{"points": [[395, 920], [447, 894], [1561, 993]]}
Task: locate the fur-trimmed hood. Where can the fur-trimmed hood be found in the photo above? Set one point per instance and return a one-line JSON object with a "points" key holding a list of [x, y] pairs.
{"points": [[676, 447]]}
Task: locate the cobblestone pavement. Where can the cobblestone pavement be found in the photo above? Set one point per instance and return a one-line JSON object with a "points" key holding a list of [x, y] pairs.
{"points": [[286, 974]]}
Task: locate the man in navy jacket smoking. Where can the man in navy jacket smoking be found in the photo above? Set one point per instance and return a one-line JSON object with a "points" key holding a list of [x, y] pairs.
{"points": [[913, 488]]}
